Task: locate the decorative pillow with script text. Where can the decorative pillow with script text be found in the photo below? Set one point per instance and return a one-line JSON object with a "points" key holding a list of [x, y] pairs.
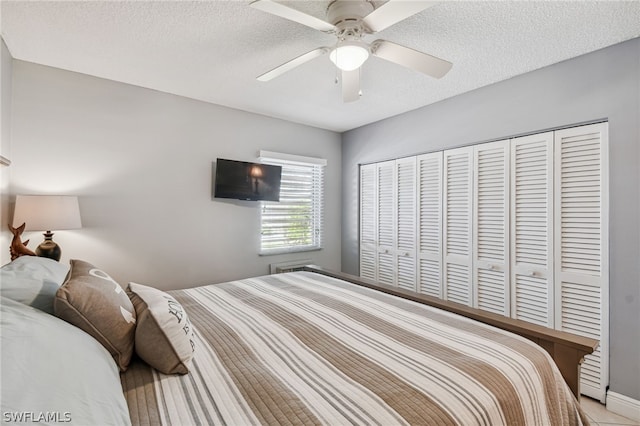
{"points": [[164, 335]]}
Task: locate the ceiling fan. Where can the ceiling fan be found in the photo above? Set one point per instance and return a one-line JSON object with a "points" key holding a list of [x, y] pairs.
{"points": [[350, 21]]}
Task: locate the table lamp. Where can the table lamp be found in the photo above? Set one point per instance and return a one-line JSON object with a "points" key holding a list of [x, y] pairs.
{"points": [[46, 213]]}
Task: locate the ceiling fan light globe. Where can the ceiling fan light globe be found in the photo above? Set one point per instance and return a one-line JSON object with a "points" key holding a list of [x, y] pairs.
{"points": [[349, 56]]}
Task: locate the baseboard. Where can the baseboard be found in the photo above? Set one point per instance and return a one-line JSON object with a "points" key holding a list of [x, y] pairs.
{"points": [[623, 405]]}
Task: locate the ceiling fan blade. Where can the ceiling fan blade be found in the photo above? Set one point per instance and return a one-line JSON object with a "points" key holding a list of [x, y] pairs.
{"points": [[351, 85], [291, 14], [306, 57], [394, 11], [410, 58]]}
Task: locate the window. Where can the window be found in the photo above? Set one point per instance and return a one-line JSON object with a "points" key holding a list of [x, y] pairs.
{"points": [[295, 222]]}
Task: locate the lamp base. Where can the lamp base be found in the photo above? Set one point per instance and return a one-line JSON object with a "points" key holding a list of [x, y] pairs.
{"points": [[48, 248]]}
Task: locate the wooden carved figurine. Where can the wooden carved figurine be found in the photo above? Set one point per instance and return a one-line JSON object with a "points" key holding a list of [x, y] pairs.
{"points": [[18, 248]]}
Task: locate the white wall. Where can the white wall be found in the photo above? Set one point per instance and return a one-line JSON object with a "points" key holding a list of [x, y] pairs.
{"points": [[5, 148], [601, 85], [140, 162]]}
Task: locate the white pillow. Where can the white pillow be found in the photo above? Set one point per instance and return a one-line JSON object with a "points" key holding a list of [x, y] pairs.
{"points": [[33, 281], [53, 372]]}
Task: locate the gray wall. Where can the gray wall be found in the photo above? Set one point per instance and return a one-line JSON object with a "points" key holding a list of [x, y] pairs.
{"points": [[140, 162], [601, 85], [5, 148]]}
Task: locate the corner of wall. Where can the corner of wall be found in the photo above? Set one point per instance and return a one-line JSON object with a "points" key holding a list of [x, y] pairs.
{"points": [[6, 77]]}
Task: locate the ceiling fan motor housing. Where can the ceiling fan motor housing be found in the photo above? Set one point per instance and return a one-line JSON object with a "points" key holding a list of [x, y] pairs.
{"points": [[347, 16]]}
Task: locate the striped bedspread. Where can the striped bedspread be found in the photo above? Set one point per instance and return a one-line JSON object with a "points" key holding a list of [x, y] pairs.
{"points": [[305, 349]]}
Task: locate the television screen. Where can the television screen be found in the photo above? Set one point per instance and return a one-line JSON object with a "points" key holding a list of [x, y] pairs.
{"points": [[247, 181]]}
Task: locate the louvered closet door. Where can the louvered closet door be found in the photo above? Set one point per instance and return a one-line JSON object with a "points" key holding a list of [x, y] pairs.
{"points": [[368, 222], [386, 220], [531, 228], [429, 169], [581, 244], [406, 223], [457, 225], [491, 227]]}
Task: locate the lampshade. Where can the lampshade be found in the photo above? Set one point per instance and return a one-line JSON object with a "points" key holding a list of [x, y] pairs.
{"points": [[47, 212], [256, 171], [349, 55]]}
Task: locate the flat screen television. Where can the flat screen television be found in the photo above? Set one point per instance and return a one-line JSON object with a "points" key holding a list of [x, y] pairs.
{"points": [[242, 180]]}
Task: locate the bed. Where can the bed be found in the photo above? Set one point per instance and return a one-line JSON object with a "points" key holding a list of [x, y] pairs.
{"points": [[299, 348]]}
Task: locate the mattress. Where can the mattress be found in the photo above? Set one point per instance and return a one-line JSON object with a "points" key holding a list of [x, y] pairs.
{"points": [[305, 349]]}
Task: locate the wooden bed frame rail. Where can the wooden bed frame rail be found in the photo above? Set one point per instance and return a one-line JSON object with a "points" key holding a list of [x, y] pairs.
{"points": [[566, 349]]}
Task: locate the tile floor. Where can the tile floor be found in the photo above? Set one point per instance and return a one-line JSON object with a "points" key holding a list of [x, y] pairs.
{"points": [[599, 415]]}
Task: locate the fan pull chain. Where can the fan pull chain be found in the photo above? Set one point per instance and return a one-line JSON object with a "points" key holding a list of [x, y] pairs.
{"points": [[337, 80]]}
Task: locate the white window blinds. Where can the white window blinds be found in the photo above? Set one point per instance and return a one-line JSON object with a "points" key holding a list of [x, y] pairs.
{"points": [[295, 222]]}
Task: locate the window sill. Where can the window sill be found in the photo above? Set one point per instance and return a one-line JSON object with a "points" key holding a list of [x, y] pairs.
{"points": [[288, 250]]}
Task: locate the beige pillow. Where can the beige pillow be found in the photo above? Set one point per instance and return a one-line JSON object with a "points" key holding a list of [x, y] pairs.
{"points": [[94, 302], [164, 335]]}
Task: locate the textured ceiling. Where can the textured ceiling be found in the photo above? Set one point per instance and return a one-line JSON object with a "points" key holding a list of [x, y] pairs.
{"points": [[213, 50]]}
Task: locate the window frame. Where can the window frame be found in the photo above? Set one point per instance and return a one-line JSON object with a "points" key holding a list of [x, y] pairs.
{"points": [[292, 165]]}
